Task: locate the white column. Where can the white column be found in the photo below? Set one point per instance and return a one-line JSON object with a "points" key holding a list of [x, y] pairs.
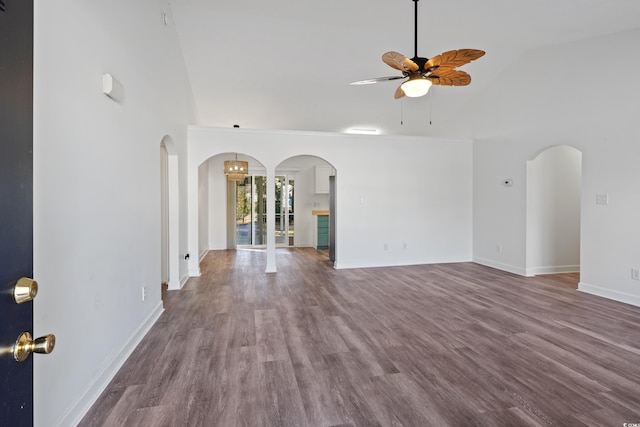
{"points": [[271, 221]]}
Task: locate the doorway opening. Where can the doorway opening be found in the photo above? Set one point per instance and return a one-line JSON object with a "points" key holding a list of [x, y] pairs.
{"points": [[164, 221], [554, 187], [169, 216]]}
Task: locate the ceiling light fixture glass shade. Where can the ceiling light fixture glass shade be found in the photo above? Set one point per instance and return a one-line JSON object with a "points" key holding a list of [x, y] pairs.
{"points": [[416, 86], [236, 169]]}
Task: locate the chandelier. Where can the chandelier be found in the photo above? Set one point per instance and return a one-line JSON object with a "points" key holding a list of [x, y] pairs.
{"points": [[236, 169]]}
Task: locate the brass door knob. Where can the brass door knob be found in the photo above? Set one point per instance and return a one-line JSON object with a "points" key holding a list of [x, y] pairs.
{"points": [[25, 290], [25, 345]]}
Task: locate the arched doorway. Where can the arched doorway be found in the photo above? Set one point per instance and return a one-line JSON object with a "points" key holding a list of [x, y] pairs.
{"points": [[231, 213], [304, 209], [554, 182], [169, 215]]}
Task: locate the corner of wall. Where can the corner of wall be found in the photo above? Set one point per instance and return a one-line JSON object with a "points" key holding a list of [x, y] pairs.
{"points": [[500, 266]]}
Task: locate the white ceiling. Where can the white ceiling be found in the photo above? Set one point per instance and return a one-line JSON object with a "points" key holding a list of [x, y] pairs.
{"points": [[285, 64]]}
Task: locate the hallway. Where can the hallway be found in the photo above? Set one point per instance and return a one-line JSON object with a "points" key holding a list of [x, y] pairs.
{"points": [[429, 345]]}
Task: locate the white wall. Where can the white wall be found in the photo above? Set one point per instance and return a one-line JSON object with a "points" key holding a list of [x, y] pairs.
{"points": [[579, 101], [97, 188], [393, 190], [554, 185]]}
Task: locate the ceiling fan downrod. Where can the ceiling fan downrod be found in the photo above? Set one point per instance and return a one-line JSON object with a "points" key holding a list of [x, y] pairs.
{"points": [[415, 32]]}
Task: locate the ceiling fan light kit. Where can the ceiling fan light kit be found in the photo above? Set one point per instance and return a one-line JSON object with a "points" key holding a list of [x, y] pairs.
{"points": [[416, 86], [422, 72]]}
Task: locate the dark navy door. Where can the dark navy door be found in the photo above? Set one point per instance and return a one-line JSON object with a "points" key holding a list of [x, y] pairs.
{"points": [[16, 204]]}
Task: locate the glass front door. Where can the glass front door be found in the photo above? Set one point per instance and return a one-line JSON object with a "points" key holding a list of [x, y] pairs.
{"points": [[284, 211], [251, 211]]}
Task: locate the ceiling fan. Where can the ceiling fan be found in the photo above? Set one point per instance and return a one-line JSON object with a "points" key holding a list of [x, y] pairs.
{"points": [[422, 72]]}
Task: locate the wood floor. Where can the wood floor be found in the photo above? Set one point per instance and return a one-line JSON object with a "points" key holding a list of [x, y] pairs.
{"points": [[433, 345]]}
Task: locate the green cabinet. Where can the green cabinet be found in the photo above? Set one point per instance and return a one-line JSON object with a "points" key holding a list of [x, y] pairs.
{"points": [[323, 232]]}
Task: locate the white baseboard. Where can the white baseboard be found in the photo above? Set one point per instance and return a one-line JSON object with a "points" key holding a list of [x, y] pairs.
{"points": [[500, 266], [88, 397], [609, 294], [203, 254], [183, 280], [343, 266], [536, 271], [175, 285]]}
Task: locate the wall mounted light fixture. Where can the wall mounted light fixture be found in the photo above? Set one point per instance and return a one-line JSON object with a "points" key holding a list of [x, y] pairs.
{"points": [[112, 87]]}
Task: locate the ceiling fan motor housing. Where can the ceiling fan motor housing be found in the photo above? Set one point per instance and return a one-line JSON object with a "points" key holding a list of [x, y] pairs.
{"points": [[420, 61]]}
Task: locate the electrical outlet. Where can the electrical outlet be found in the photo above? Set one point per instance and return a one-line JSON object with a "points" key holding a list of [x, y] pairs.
{"points": [[602, 199], [635, 274], [144, 293]]}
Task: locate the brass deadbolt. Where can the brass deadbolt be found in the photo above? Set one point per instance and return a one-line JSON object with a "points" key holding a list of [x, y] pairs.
{"points": [[25, 290], [25, 345]]}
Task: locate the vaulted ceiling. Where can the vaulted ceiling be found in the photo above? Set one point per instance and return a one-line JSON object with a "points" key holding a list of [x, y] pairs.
{"points": [[285, 64]]}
